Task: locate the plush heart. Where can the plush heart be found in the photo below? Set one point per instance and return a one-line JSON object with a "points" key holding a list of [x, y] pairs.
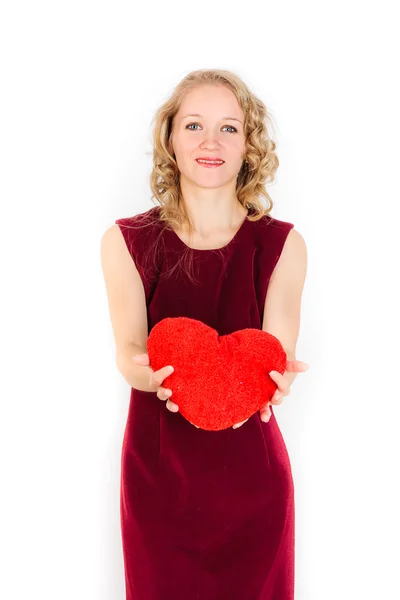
{"points": [[217, 381]]}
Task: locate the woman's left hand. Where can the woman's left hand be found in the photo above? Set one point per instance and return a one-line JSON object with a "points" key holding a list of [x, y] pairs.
{"points": [[283, 389]]}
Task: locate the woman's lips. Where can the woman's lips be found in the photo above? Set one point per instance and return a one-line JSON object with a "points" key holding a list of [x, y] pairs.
{"points": [[209, 165]]}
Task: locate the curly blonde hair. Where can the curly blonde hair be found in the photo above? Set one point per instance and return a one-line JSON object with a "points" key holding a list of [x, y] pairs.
{"points": [[258, 168]]}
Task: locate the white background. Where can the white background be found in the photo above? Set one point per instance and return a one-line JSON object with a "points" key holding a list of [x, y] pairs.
{"points": [[80, 84]]}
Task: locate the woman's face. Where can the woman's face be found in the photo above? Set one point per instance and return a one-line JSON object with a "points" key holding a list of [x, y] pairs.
{"points": [[216, 131]]}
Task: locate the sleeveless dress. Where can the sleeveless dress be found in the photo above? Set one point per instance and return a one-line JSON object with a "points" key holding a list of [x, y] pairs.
{"points": [[206, 515]]}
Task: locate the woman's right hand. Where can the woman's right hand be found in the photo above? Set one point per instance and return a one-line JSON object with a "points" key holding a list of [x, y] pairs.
{"points": [[156, 379]]}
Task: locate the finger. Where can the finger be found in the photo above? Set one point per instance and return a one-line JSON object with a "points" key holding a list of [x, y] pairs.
{"points": [[296, 366], [265, 415], [277, 398], [163, 393], [172, 406], [158, 376], [239, 424], [279, 379], [281, 393], [194, 425]]}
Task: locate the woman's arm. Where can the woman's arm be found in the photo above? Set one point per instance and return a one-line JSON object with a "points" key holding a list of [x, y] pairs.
{"points": [[283, 301], [127, 307]]}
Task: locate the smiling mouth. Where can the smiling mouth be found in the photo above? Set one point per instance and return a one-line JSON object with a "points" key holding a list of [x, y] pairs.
{"points": [[209, 163]]}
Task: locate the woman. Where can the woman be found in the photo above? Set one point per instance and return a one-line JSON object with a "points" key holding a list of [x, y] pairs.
{"points": [[205, 515]]}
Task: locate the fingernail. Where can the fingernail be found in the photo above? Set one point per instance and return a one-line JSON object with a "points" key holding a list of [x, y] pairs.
{"points": [[273, 372]]}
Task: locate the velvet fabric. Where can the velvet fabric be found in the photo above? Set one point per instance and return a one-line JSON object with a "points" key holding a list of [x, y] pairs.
{"points": [[206, 515]]}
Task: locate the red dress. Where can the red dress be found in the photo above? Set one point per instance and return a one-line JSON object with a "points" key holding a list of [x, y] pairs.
{"points": [[206, 515]]}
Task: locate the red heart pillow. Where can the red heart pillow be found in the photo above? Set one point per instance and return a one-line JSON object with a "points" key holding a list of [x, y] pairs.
{"points": [[217, 380]]}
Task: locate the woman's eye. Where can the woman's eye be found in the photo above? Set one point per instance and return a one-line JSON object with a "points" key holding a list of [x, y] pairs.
{"points": [[230, 126]]}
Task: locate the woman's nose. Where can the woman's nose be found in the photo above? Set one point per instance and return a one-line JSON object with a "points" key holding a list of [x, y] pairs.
{"points": [[209, 141]]}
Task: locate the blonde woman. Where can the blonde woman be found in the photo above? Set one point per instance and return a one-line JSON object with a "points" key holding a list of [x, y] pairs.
{"points": [[205, 515]]}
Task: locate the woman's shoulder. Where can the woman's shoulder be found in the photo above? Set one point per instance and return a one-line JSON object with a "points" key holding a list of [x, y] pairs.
{"points": [[282, 233], [140, 230], [268, 220], [150, 216]]}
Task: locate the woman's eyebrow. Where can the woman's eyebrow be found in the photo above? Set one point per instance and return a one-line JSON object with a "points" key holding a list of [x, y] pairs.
{"points": [[201, 116]]}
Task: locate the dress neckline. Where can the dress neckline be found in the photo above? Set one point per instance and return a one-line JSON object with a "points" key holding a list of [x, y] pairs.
{"points": [[235, 237]]}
